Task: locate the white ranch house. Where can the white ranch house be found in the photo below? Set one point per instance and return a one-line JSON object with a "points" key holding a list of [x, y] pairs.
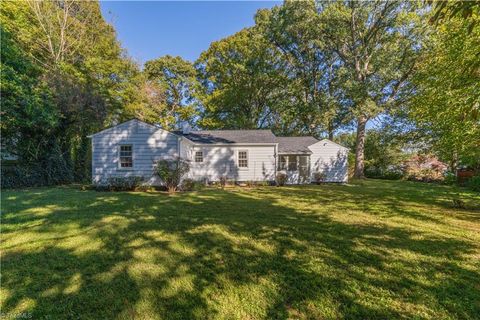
{"points": [[131, 149]]}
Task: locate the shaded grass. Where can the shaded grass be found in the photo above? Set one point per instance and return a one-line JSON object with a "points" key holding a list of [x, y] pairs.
{"points": [[367, 250]]}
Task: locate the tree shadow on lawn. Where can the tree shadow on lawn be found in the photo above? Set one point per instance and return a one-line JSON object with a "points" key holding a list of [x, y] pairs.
{"points": [[220, 254]]}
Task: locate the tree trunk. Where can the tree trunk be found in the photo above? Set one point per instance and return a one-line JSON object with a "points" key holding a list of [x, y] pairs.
{"points": [[330, 130], [360, 148]]}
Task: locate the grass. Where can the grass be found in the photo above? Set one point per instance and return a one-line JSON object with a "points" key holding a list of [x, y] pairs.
{"points": [[367, 250]]}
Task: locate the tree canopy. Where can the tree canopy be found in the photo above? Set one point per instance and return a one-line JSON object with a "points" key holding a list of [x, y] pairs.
{"points": [[241, 85], [446, 103]]}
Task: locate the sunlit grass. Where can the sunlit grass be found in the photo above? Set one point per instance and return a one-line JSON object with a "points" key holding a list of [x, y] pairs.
{"points": [[369, 249]]}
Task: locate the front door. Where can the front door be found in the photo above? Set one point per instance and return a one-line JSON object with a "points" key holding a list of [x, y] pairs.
{"points": [[303, 169]]}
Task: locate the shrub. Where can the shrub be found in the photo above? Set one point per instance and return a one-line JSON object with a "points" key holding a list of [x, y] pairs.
{"points": [[281, 178], [424, 175], [20, 177], [223, 181], [120, 184], [189, 185], [53, 171], [319, 177], [171, 172], [449, 178], [391, 173], [474, 183]]}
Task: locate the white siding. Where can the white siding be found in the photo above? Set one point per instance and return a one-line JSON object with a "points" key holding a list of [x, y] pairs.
{"points": [[221, 161], [331, 159], [149, 144]]}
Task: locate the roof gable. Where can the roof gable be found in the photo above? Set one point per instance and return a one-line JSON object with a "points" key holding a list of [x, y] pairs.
{"points": [[295, 145], [328, 141], [127, 124]]}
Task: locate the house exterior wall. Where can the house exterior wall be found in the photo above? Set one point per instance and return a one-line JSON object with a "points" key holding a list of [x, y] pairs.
{"points": [[149, 144], [221, 160], [331, 159]]}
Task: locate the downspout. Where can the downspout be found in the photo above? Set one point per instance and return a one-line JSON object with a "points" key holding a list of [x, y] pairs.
{"points": [[275, 157], [179, 140]]}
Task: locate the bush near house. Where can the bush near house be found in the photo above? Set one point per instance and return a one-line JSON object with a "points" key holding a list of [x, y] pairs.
{"points": [[171, 172], [120, 184], [319, 177], [281, 178], [191, 185]]}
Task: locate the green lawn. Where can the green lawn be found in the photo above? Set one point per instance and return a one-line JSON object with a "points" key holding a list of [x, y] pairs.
{"points": [[367, 250]]}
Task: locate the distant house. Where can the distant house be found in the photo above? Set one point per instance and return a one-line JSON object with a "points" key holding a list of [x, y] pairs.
{"points": [[131, 149]]}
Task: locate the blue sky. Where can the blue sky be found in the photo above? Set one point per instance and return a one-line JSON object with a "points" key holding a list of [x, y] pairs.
{"points": [[150, 29]]}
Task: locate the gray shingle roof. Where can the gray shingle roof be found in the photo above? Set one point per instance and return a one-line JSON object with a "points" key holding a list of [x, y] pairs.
{"points": [[295, 145], [229, 136]]}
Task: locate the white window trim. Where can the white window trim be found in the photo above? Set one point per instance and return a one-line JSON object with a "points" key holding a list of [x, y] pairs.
{"points": [[195, 156], [248, 159], [118, 157]]}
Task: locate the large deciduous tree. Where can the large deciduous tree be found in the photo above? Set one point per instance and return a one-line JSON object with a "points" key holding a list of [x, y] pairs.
{"points": [[168, 88], [313, 97], [376, 44], [241, 86]]}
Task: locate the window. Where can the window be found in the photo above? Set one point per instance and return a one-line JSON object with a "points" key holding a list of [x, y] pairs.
{"points": [[126, 156], [243, 159], [199, 156], [292, 163], [282, 164]]}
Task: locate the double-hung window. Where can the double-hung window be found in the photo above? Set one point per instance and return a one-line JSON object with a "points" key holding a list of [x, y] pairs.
{"points": [[242, 159], [199, 156], [126, 156]]}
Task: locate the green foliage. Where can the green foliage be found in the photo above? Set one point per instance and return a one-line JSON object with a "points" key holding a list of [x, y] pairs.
{"points": [[171, 172], [446, 104], [63, 77], [241, 87], [312, 95], [474, 183], [376, 44], [445, 10], [450, 179], [384, 152], [191, 185], [164, 92], [49, 168], [130, 183]]}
